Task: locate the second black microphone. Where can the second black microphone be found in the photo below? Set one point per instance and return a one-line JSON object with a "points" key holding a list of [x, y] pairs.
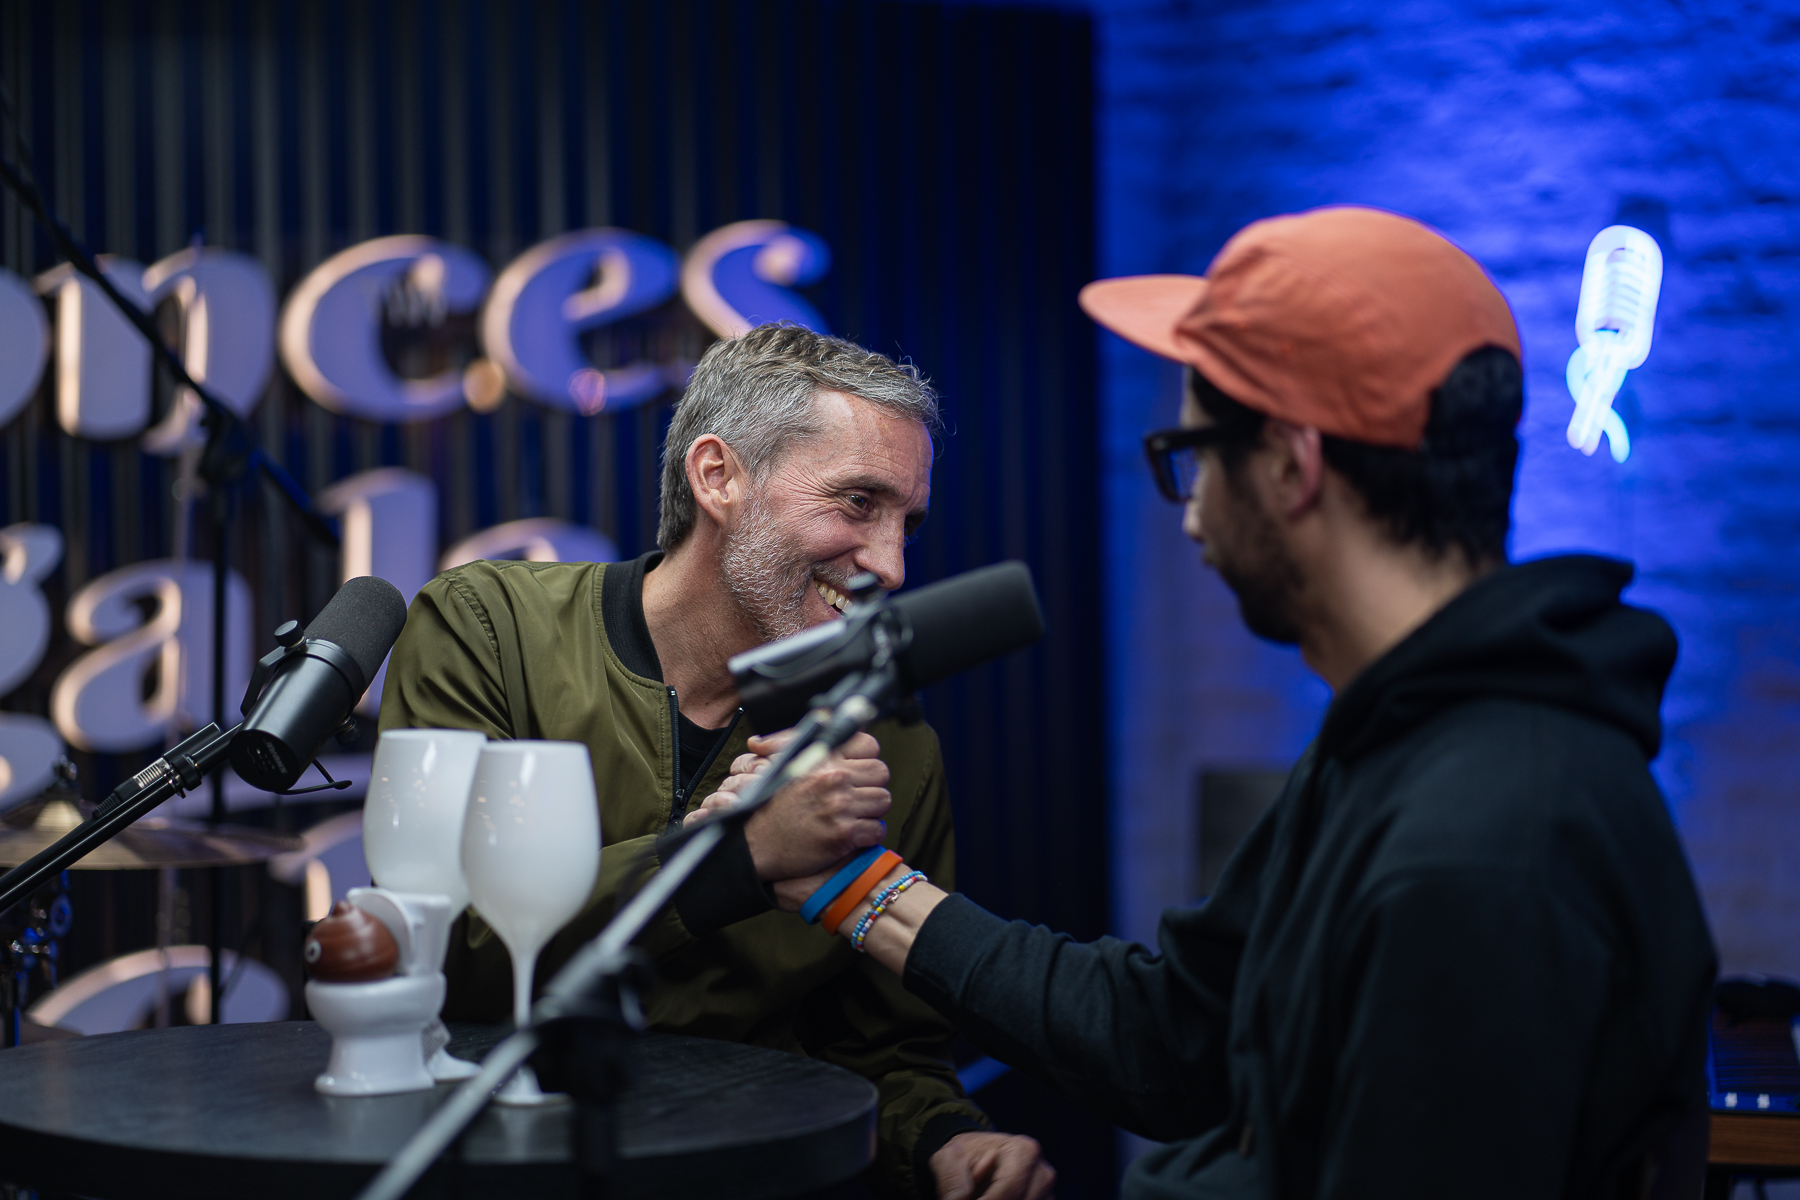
{"points": [[315, 687]]}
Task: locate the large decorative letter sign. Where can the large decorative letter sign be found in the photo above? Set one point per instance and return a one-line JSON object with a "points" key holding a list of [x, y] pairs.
{"points": [[331, 327], [102, 362], [390, 530], [29, 746], [99, 704], [228, 306], [741, 276], [537, 539], [555, 291], [29, 749], [24, 344], [27, 554]]}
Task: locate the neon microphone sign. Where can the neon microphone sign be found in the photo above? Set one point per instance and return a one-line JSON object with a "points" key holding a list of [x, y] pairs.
{"points": [[1619, 287]]}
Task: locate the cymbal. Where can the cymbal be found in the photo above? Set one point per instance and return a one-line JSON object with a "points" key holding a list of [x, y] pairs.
{"points": [[36, 824]]}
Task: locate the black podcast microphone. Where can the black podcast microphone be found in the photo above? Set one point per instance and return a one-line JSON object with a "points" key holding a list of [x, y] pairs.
{"points": [[938, 630], [314, 681]]}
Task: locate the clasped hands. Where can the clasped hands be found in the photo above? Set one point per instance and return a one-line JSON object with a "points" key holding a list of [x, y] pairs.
{"points": [[815, 823], [797, 841]]}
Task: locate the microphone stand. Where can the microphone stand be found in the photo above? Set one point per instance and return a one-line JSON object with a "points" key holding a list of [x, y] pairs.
{"points": [[175, 773], [591, 1009], [221, 468]]}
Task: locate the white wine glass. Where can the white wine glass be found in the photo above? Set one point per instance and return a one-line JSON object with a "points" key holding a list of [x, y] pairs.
{"points": [[412, 840], [413, 814], [531, 852]]}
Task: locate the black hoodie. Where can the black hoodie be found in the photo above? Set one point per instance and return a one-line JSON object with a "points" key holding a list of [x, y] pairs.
{"points": [[1462, 954]]}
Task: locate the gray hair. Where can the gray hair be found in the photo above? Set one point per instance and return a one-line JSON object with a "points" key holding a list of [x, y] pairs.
{"points": [[755, 393]]}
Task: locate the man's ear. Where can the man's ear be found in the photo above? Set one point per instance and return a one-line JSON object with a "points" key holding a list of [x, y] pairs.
{"points": [[716, 478], [1297, 466]]}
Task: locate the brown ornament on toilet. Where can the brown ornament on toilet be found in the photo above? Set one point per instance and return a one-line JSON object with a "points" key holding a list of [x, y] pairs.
{"points": [[350, 946]]}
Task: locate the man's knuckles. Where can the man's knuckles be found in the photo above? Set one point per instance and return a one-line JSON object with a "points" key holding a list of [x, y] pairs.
{"points": [[854, 804], [865, 772], [861, 745], [872, 773]]}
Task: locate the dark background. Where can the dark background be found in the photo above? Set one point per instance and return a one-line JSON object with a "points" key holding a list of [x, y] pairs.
{"points": [[944, 153]]}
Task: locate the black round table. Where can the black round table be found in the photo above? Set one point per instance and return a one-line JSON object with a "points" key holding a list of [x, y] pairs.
{"points": [[230, 1111]]}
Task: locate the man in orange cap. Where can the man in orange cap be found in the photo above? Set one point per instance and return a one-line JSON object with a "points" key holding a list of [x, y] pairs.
{"points": [[1462, 954]]}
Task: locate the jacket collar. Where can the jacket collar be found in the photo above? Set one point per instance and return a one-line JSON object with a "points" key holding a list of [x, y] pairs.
{"points": [[622, 613]]}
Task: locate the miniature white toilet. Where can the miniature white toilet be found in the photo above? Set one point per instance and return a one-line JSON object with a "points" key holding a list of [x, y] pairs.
{"points": [[377, 1028]]}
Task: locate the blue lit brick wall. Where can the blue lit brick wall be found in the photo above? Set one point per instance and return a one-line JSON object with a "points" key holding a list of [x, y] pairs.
{"points": [[1520, 129]]}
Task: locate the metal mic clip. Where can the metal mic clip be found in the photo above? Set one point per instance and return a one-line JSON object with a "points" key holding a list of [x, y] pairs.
{"points": [[293, 643]]}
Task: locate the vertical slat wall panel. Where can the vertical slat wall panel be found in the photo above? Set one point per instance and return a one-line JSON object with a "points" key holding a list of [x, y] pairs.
{"points": [[943, 152]]}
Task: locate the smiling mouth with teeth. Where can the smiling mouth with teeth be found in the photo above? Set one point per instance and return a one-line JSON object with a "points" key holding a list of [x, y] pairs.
{"points": [[832, 596]]}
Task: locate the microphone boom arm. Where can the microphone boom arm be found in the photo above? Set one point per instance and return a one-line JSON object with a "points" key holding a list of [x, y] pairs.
{"points": [[171, 775]]}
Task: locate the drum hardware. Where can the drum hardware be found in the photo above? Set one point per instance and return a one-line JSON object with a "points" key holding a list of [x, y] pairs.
{"points": [[31, 933], [30, 939]]}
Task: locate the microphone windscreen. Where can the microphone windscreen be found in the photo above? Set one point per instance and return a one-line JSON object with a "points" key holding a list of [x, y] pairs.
{"points": [[965, 620], [364, 619]]}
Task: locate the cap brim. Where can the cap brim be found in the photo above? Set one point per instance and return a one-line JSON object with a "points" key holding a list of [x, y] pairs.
{"points": [[1144, 309]]}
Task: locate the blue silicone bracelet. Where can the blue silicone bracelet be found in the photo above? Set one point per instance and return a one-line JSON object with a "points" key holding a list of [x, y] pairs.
{"points": [[834, 887]]}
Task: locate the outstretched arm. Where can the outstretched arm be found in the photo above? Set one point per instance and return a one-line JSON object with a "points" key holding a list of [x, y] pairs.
{"points": [[1138, 1035], [866, 1021]]}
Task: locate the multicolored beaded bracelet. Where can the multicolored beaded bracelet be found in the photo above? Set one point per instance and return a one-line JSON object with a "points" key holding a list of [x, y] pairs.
{"points": [[861, 933]]}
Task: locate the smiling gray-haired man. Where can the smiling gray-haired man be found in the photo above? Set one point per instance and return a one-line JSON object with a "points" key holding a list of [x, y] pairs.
{"points": [[794, 462]]}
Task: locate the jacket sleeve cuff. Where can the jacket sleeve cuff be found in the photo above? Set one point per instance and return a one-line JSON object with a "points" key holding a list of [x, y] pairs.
{"points": [[724, 889], [939, 1130], [946, 949]]}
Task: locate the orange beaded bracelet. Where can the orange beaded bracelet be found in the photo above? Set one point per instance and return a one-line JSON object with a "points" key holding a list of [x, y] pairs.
{"points": [[859, 891]]}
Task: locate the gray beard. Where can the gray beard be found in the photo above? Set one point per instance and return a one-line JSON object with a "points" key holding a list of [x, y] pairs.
{"points": [[765, 576]]}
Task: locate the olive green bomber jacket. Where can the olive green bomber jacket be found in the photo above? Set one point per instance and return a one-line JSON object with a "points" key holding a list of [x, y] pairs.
{"points": [[768, 979]]}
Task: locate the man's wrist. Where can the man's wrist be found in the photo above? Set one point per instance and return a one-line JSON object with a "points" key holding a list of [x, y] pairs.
{"points": [[934, 1137], [724, 889], [752, 827]]}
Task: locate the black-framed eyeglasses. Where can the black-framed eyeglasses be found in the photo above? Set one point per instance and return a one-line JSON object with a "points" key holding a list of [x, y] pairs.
{"points": [[1174, 456]]}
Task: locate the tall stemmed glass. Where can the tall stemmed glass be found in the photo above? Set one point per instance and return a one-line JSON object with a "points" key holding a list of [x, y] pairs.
{"points": [[531, 852], [412, 837]]}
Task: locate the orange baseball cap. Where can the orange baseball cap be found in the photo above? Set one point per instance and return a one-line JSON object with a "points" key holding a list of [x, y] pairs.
{"points": [[1341, 318]]}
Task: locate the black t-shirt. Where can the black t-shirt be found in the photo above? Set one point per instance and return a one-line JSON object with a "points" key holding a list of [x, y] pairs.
{"points": [[697, 744]]}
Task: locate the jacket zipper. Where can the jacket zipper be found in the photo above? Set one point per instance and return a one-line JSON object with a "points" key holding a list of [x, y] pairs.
{"points": [[678, 805]]}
